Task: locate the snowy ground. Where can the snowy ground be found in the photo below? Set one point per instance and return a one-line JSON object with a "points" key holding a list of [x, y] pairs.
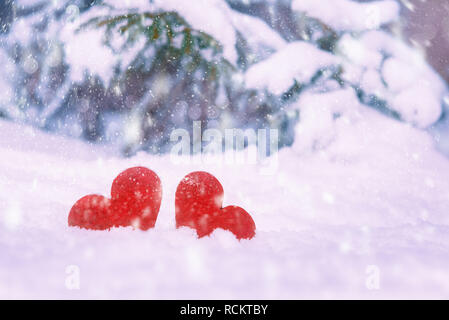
{"points": [[376, 200]]}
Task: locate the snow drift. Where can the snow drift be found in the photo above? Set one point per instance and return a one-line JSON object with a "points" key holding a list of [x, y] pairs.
{"points": [[377, 199]]}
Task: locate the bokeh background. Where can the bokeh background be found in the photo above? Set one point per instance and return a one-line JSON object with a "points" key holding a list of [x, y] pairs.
{"points": [[93, 70]]}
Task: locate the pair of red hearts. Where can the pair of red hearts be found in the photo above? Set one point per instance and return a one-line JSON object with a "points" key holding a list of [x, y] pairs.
{"points": [[136, 196]]}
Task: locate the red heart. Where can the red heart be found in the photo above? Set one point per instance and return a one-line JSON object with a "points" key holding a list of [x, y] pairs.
{"points": [[91, 212], [238, 221], [198, 201], [136, 199]]}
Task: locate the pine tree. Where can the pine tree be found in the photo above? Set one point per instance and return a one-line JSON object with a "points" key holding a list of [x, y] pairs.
{"points": [[108, 71]]}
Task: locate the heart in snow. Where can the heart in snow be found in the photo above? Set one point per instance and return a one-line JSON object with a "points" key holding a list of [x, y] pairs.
{"points": [[198, 201], [136, 196]]}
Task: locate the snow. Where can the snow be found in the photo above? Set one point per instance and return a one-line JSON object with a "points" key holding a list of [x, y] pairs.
{"points": [[320, 114], [6, 92], [394, 72], [347, 15], [95, 58], [277, 76], [84, 50], [373, 61], [374, 199], [216, 22], [220, 22], [357, 194], [257, 31]]}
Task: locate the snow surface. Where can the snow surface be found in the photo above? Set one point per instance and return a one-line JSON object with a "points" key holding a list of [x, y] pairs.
{"points": [[321, 113], [377, 197]]}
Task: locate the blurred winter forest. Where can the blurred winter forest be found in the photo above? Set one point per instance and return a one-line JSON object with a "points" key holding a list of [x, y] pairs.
{"points": [[129, 72]]}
